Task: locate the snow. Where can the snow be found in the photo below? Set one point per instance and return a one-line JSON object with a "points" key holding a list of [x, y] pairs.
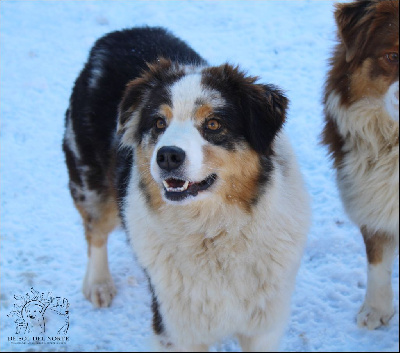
{"points": [[43, 46]]}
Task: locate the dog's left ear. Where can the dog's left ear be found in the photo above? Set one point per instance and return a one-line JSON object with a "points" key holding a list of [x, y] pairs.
{"points": [[353, 21], [262, 107], [265, 115]]}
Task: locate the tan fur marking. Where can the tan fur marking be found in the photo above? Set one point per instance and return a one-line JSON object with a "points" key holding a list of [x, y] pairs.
{"points": [[152, 190], [203, 112], [375, 243], [239, 185], [166, 111], [97, 229], [363, 85]]}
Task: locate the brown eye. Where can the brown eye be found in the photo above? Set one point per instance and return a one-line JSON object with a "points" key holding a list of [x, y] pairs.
{"points": [[392, 57], [160, 124], [213, 125]]}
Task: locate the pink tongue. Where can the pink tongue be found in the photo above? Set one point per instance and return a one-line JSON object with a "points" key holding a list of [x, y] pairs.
{"points": [[175, 183]]}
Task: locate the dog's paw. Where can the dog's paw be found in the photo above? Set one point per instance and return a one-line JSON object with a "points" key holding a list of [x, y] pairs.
{"points": [[372, 318], [100, 294]]}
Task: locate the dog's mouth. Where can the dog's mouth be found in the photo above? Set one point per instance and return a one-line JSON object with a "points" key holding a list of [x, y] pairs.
{"points": [[178, 189]]}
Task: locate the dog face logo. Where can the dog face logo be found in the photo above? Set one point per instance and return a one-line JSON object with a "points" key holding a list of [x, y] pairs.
{"points": [[32, 314], [34, 311]]}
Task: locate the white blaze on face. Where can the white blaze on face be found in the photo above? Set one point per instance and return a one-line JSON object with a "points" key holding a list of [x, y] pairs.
{"points": [[182, 132], [392, 101]]}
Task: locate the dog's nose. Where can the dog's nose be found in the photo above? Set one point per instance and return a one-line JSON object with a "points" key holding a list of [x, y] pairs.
{"points": [[170, 157]]}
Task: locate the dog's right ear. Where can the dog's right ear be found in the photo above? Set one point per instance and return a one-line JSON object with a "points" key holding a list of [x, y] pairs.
{"points": [[136, 90], [353, 20], [130, 102]]}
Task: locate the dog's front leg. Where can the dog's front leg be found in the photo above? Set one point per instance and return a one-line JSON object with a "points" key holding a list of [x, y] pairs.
{"points": [[377, 308]]}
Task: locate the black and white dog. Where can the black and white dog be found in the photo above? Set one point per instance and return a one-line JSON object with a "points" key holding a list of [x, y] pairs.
{"points": [[193, 160]]}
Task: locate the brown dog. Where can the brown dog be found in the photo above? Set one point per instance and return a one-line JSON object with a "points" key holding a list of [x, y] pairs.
{"points": [[362, 133]]}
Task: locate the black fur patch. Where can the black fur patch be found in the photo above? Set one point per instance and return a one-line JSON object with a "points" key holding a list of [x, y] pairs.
{"points": [[123, 167], [232, 127], [158, 326], [255, 111], [266, 169], [73, 171]]}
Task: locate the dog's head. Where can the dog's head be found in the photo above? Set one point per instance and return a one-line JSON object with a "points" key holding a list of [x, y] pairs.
{"points": [[369, 33], [198, 131]]}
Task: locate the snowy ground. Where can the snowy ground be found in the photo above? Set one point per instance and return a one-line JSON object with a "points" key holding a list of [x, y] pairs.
{"points": [[43, 46]]}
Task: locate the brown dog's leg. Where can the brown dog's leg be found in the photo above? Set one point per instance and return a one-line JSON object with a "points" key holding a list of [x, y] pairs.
{"points": [[377, 308]]}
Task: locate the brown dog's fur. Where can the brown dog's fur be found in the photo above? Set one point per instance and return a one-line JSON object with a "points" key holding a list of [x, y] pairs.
{"points": [[362, 134]]}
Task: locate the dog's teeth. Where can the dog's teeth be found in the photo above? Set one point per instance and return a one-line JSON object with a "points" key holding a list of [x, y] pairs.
{"points": [[171, 189], [185, 186]]}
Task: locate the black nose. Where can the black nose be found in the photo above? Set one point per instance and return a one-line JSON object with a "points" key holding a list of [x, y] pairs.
{"points": [[170, 157]]}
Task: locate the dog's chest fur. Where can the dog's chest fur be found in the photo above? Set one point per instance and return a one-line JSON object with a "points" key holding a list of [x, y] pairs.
{"points": [[369, 172], [217, 267]]}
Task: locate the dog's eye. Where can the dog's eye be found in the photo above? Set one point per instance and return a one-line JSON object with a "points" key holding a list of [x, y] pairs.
{"points": [[392, 57], [160, 124], [213, 125]]}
